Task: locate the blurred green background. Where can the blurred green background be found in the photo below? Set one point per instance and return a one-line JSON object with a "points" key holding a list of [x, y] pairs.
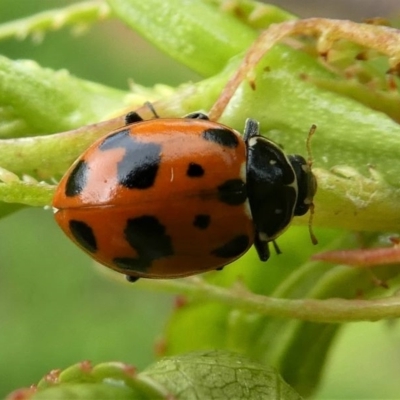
{"points": [[56, 308]]}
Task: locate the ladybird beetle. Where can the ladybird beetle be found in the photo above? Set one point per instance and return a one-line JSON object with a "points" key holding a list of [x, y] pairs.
{"points": [[167, 198]]}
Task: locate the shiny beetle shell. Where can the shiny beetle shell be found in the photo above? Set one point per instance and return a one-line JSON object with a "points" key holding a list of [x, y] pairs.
{"points": [[167, 198]]}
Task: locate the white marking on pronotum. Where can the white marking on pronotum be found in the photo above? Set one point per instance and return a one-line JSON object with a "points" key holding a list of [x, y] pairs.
{"points": [[247, 209], [243, 177]]}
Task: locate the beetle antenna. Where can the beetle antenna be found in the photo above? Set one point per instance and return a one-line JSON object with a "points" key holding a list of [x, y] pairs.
{"points": [[310, 161], [311, 132], [314, 239]]}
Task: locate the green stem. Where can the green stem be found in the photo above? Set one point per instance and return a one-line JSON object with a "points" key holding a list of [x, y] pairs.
{"points": [[312, 310]]}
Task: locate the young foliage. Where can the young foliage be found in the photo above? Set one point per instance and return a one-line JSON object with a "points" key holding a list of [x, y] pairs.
{"points": [[199, 375], [342, 77]]}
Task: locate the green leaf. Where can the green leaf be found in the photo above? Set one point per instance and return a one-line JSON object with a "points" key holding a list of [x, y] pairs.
{"points": [[36, 100], [192, 32], [32, 194], [218, 375]]}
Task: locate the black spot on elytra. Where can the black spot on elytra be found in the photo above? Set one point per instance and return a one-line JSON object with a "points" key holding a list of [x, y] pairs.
{"points": [[202, 221], [221, 136], [77, 179], [233, 248], [148, 237], [83, 234], [232, 192], [139, 166], [132, 117], [195, 170]]}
